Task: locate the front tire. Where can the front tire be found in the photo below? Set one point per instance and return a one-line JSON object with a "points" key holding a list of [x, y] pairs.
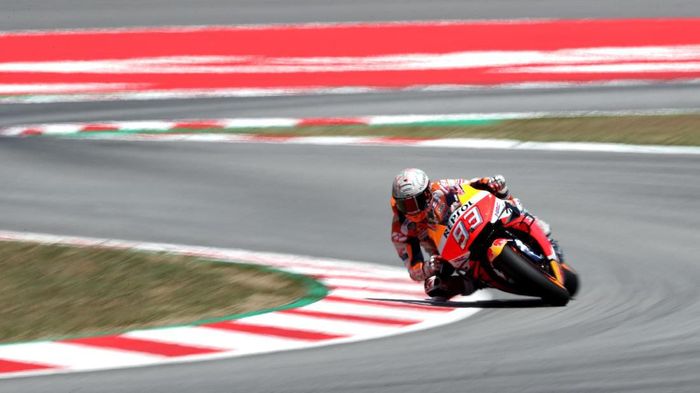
{"points": [[571, 281], [523, 272]]}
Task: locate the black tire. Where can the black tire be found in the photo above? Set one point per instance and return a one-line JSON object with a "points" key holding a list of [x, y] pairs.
{"points": [[571, 280], [526, 274]]}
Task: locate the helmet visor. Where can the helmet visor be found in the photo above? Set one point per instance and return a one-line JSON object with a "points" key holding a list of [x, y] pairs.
{"points": [[415, 204]]}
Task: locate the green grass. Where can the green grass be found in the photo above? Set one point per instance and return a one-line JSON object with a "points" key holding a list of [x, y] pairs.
{"points": [[645, 130], [53, 291]]}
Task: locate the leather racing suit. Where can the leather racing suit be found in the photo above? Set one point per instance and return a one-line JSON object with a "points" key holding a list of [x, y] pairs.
{"points": [[409, 236]]}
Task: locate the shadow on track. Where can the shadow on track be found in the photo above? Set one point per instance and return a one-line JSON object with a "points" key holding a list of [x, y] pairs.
{"points": [[496, 303]]}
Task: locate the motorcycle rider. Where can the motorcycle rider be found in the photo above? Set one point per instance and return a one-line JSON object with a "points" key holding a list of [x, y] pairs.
{"points": [[418, 203]]}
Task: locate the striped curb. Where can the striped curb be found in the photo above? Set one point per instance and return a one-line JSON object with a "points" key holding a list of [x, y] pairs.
{"points": [[365, 301], [195, 130]]}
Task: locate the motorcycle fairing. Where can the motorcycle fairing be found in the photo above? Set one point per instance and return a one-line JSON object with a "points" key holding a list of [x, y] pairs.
{"points": [[466, 222]]}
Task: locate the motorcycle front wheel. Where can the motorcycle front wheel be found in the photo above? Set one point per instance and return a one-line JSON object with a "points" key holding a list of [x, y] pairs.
{"points": [[532, 277]]}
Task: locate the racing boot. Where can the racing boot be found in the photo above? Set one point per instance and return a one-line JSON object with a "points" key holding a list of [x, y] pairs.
{"points": [[443, 289]]}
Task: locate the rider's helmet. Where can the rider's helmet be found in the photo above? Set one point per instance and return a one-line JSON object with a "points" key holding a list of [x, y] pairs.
{"points": [[411, 192]]}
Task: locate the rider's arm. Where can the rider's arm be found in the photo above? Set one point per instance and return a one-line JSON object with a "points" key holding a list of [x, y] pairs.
{"points": [[408, 243], [495, 185]]}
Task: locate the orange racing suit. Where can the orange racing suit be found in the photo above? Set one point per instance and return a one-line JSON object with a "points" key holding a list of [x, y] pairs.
{"points": [[409, 236]]}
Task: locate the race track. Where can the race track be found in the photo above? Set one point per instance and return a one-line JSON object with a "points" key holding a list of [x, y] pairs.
{"points": [[628, 222]]}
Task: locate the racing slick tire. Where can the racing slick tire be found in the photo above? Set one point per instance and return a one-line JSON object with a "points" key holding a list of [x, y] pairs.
{"points": [[528, 275], [571, 281]]}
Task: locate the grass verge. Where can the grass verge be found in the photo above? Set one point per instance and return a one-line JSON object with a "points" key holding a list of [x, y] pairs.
{"points": [[644, 130], [49, 291]]}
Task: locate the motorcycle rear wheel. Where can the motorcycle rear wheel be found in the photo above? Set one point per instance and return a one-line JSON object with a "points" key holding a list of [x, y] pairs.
{"points": [[528, 275]]}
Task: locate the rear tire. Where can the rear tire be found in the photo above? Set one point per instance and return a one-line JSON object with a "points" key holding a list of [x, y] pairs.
{"points": [[526, 274]]}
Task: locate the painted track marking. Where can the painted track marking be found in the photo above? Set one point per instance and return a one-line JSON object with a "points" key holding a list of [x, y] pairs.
{"points": [[178, 131], [350, 314], [211, 61]]}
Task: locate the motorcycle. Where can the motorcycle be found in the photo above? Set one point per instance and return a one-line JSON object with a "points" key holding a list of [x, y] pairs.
{"points": [[500, 246]]}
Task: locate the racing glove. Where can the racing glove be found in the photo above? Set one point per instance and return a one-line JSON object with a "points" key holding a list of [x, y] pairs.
{"points": [[432, 266], [496, 185]]}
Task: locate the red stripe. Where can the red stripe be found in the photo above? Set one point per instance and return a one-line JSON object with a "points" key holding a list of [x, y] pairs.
{"points": [[8, 366], [274, 331], [99, 127], [389, 291], [139, 345], [351, 318], [292, 81], [32, 132], [391, 304], [362, 40], [365, 40], [198, 125], [314, 122]]}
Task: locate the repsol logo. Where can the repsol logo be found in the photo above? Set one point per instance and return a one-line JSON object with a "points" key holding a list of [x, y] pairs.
{"points": [[455, 215]]}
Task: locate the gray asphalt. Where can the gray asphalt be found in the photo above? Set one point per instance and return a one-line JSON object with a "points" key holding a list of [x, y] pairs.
{"points": [[629, 223], [67, 14], [670, 95]]}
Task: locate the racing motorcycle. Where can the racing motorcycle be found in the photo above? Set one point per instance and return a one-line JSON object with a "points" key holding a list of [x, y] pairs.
{"points": [[502, 247]]}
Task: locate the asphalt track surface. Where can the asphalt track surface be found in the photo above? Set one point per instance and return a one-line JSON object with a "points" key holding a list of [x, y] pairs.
{"points": [[40, 14], [646, 97], [629, 223]]}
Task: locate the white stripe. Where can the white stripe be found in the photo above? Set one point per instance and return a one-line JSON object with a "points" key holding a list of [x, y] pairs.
{"points": [[313, 271], [44, 88], [606, 68], [61, 129], [371, 310], [319, 325], [370, 285], [144, 125], [74, 356], [216, 338], [370, 294], [257, 123], [514, 60], [402, 278]]}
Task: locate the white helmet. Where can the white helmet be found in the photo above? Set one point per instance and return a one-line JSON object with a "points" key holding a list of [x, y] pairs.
{"points": [[411, 191]]}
